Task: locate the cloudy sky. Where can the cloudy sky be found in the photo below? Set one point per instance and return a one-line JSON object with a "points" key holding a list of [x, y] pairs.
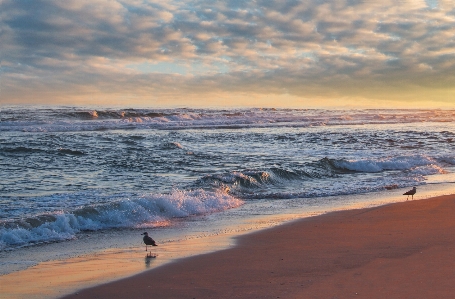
{"points": [[307, 53]]}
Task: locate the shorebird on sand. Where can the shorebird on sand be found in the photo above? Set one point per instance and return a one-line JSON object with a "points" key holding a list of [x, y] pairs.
{"points": [[148, 240], [410, 192]]}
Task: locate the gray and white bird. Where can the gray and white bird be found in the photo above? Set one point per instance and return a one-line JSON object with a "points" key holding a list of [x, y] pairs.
{"points": [[148, 240], [410, 192]]}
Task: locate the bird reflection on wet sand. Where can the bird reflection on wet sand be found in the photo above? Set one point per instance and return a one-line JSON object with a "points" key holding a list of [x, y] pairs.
{"points": [[148, 259]]}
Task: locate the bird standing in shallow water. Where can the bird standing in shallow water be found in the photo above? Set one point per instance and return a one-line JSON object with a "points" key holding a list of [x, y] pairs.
{"points": [[410, 192], [148, 240]]}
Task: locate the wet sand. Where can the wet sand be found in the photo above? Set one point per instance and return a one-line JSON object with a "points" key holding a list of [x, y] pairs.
{"points": [[401, 250], [60, 277]]}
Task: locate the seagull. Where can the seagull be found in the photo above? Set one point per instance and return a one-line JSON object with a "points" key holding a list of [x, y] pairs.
{"points": [[148, 240], [410, 192]]}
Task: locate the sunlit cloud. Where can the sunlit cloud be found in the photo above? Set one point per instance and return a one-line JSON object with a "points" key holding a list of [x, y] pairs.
{"points": [[146, 50]]}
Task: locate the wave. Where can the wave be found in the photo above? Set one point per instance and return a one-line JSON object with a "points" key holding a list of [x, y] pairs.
{"points": [[245, 178], [77, 119], [329, 167], [246, 181], [146, 211], [115, 114], [220, 191], [384, 164], [326, 177]]}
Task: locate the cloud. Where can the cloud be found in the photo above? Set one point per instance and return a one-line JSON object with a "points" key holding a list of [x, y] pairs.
{"points": [[144, 49]]}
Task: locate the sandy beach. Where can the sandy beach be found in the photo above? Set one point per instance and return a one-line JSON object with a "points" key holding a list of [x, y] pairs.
{"points": [[401, 250]]}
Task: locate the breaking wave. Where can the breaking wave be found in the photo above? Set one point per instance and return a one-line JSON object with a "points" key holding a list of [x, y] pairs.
{"points": [[146, 211], [326, 177], [384, 164]]}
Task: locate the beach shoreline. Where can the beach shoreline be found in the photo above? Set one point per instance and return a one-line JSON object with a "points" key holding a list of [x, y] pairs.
{"points": [[400, 250], [110, 267], [81, 184]]}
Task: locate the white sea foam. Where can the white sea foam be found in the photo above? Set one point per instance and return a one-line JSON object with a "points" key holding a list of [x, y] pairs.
{"points": [[428, 170], [382, 164], [149, 209]]}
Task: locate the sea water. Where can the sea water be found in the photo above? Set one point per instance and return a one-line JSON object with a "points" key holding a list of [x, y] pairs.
{"points": [[82, 179]]}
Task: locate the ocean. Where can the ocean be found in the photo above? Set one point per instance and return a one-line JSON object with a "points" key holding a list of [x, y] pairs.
{"points": [[85, 177]]}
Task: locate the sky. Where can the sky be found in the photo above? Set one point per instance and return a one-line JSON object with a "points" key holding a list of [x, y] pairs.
{"points": [[210, 53]]}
